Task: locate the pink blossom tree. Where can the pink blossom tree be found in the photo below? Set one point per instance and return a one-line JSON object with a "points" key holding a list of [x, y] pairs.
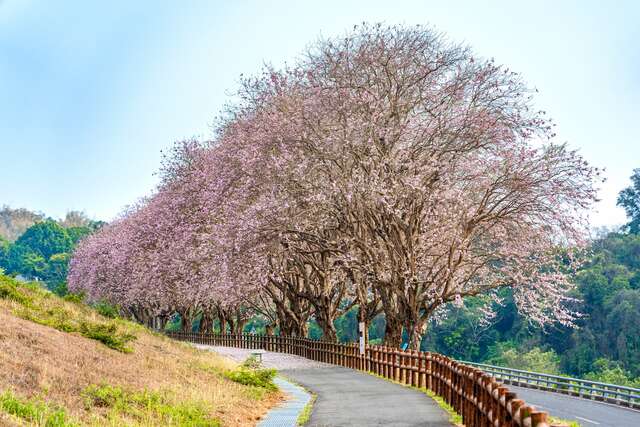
{"points": [[389, 169]]}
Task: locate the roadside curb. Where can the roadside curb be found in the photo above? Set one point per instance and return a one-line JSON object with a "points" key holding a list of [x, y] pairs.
{"points": [[287, 413]]}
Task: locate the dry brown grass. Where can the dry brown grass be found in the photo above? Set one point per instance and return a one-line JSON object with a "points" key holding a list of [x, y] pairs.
{"points": [[37, 360]]}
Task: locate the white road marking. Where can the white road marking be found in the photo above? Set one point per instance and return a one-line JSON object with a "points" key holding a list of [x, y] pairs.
{"points": [[587, 420]]}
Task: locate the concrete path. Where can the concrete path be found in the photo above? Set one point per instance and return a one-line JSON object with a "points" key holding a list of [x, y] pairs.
{"points": [[346, 397], [350, 398], [589, 413]]}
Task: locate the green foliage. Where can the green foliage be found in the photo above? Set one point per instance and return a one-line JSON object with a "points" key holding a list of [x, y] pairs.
{"points": [[9, 290], [4, 252], [463, 334], [607, 371], [560, 421], [629, 200], [74, 298], [108, 334], [107, 310], [305, 414], [146, 407], [43, 251], [251, 362], [33, 411], [45, 239], [534, 360], [174, 324], [249, 374], [78, 233]]}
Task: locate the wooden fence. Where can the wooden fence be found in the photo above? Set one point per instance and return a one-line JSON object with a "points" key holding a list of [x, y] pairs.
{"points": [[477, 396]]}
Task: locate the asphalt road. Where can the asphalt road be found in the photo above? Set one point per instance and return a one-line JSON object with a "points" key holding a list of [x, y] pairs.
{"points": [[346, 397], [588, 413]]}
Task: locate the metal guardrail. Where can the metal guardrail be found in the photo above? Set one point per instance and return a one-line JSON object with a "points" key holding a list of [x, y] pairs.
{"points": [[476, 395], [603, 392]]}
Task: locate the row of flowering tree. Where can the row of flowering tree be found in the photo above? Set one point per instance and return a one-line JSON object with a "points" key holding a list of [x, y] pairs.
{"points": [[389, 170]]}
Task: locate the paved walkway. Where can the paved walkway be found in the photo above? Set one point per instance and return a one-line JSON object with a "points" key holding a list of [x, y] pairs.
{"points": [[346, 397], [350, 398]]}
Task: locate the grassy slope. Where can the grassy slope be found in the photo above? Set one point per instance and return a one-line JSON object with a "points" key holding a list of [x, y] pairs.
{"points": [[157, 382]]}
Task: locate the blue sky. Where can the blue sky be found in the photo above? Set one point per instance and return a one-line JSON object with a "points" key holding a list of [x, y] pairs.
{"points": [[91, 92]]}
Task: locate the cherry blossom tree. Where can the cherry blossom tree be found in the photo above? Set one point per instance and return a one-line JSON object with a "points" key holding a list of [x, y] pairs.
{"points": [[389, 169]]}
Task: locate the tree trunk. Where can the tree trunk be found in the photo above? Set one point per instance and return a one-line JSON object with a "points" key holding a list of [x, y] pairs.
{"points": [[392, 332], [416, 332], [185, 321], [240, 326], [223, 325], [329, 332], [363, 318], [206, 323], [162, 321], [299, 329], [269, 329]]}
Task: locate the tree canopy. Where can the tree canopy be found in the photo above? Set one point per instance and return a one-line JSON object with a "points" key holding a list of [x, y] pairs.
{"points": [[42, 252], [629, 199], [390, 170]]}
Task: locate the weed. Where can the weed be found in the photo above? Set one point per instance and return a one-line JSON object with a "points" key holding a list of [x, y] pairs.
{"points": [[34, 412], [146, 407], [560, 421], [251, 362], [10, 291], [305, 415]]}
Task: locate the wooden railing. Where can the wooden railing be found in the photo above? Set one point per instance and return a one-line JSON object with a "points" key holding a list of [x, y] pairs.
{"points": [[477, 396], [610, 393]]}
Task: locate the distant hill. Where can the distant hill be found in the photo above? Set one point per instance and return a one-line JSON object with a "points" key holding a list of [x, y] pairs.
{"points": [[14, 222]]}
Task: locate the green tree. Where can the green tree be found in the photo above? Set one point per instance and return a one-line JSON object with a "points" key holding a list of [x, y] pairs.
{"points": [[535, 360], [56, 270], [78, 233], [39, 252], [629, 199], [4, 252], [622, 323], [46, 238]]}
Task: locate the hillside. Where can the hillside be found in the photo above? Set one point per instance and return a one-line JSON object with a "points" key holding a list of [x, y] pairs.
{"points": [[62, 363]]}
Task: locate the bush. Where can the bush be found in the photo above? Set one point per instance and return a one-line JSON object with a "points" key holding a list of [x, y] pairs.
{"points": [[106, 309], [262, 378], [9, 290], [107, 333]]}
